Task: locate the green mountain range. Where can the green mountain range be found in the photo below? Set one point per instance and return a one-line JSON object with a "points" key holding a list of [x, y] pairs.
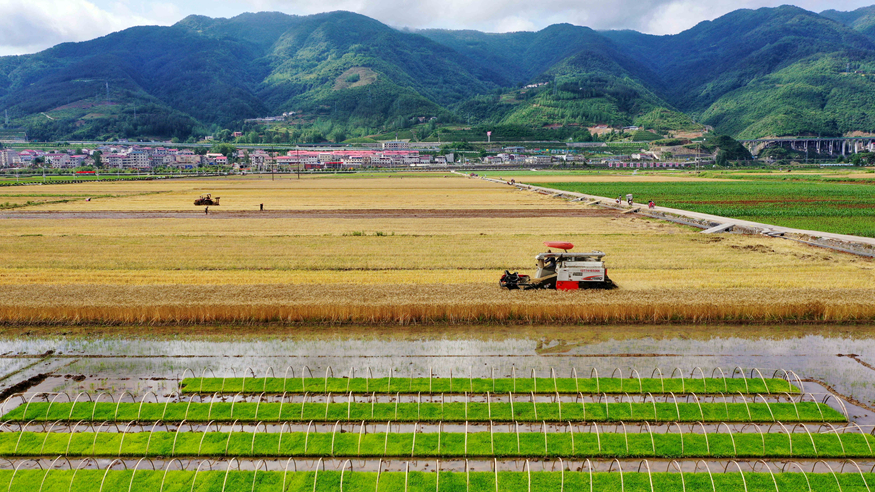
{"points": [[749, 74]]}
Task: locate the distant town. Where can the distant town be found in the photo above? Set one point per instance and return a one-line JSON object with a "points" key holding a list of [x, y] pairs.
{"points": [[389, 155]]}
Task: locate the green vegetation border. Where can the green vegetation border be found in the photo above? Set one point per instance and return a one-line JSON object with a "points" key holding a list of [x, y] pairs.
{"points": [[488, 385], [438, 445], [146, 480], [428, 412]]}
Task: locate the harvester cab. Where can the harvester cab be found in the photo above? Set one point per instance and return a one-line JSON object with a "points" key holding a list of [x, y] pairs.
{"points": [[562, 271]]}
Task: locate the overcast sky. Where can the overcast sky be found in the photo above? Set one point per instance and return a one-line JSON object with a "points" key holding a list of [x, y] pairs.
{"points": [[27, 26]]}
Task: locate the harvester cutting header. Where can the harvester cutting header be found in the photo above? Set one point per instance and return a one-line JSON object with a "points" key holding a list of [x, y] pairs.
{"points": [[562, 271]]}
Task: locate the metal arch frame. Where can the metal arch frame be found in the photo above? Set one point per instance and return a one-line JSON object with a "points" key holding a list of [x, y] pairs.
{"points": [[741, 473], [649, 474], [789, 437], [683, 379], [841, 403], [119, 402], [704, 382], [47, 432], [255, 474], [805, 475], [348, 462], [680, 471], [765, 384], [834, 431], [768, 407], [830, 470], [206, 430], [620, 468], [810, 438], [51, 466], [863, 477], [203, 376], [143, 400], [286, 378], [661, 379], [316, 474], [106, 472], [741, 371], [769, 469], [73, 478], [286, 471], [29, 400], [179, 397], [723, 376], [167, 469], [176, 436], [134, 474], [254, 433], [228, 471], [640, 383], [97, 400], [731, 437], [53, 402], [760, 430], [652, 400]]}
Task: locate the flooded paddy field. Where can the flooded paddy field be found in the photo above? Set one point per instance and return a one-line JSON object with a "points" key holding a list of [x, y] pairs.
{"points": [[837, 357]]}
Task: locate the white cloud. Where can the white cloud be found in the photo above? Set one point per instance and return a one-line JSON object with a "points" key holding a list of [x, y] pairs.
{"points": [[652, 16], [31, 25], [28, 26]]}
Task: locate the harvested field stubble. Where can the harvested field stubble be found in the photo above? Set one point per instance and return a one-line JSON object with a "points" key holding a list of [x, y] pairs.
{"points": [[382, 304]]}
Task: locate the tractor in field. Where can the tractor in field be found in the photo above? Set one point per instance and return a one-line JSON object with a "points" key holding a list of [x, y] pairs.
{"points": [[207, 200], [562, 271]]}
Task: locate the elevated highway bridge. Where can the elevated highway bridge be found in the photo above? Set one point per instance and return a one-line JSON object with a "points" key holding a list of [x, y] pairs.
{"points": [[822, 145]]}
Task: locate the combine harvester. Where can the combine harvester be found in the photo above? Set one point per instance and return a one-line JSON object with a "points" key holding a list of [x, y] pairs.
{"points": [[207, 200], [562, 271]]}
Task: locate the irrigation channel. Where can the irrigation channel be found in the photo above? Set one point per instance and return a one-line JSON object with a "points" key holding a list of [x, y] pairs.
{"points": [[543, 411]]}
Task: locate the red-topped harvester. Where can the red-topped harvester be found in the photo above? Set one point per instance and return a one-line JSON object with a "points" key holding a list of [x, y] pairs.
{"points": [[562, 271]]}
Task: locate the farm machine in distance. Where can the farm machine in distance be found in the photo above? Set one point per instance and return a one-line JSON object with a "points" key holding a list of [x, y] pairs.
{"points": [[562, 271], [207, 200]]}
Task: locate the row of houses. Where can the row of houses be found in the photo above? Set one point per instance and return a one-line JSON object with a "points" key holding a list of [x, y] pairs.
{"points": [[261, 160], [115, 157]]}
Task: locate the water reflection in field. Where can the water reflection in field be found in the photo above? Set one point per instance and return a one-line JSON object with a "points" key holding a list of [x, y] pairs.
{"points": [[836, 355]]}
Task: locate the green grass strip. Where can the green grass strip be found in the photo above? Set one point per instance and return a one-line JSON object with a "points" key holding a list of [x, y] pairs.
{"points": [[434, 445], [483, 386], [146, 480], [427, 412]]}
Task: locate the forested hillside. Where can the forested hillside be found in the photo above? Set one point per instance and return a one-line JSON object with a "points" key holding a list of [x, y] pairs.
{"points": [[750, 73]]}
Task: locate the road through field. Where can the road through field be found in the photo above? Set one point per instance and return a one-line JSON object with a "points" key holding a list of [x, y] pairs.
{"points": [[716, 219]]}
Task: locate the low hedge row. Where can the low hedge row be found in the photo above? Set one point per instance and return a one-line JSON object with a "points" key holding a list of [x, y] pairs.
{"points": [[443, 445], [488, 385], [428, 412], [330, 481]]}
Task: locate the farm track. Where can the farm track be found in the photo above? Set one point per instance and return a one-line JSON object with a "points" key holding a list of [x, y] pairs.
{"points": [[217, 213]]}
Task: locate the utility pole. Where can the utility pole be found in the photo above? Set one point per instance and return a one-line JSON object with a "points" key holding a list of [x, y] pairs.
{"points": [[107, 92]]}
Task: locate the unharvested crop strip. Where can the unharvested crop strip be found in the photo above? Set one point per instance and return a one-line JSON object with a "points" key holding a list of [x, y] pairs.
{"points": [[446, 445], [147, 480], [435, 385], [425, 412]]}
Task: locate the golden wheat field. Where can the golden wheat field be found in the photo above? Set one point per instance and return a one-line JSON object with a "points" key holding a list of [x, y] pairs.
{"points": [[389, 250]]}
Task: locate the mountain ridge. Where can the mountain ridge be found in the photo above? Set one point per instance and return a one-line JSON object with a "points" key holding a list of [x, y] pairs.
{"points": [[346, 72]]}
